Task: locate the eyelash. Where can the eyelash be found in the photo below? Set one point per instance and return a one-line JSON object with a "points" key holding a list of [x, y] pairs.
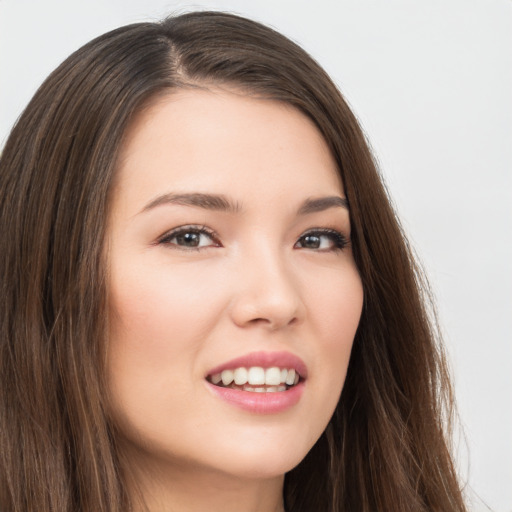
{"points": [[338, 240]]}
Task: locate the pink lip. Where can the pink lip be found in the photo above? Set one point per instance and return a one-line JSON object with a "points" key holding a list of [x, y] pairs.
{"points": [[261, 403], [265, 360]]}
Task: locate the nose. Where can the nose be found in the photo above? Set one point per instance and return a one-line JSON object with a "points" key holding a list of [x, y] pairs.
{"points": [[266, 293]]}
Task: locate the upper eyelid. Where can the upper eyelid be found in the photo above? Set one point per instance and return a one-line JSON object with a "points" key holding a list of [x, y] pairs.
{"points": [[322, 230], [326, 231]]}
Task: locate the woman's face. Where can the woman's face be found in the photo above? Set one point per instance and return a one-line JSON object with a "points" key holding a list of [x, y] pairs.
{"points": [[229, 257]]}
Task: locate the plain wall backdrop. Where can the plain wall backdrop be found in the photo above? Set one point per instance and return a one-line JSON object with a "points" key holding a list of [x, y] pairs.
{"points": [[431, 82]]}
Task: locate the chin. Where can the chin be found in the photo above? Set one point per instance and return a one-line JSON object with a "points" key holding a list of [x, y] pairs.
{"points": [[264, 458], [263, 470]]}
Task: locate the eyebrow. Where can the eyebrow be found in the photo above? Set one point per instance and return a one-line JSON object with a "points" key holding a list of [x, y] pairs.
{"points": [[321, 204], [221, 203], [206, 201]]}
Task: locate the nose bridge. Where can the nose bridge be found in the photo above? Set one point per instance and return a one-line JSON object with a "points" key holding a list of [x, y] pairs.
{"points": [[267, 290]]}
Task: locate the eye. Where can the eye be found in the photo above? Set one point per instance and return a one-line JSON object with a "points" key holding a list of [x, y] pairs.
{"points": [[190, 237], [322, 240]]}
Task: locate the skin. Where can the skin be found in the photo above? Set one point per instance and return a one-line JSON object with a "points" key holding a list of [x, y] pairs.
{"points": [[257, 284]]}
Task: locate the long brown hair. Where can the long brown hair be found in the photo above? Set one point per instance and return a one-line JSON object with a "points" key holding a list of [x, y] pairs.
{"points": [[386, 446]]}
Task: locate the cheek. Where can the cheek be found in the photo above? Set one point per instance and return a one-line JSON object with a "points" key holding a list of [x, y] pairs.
{"points": [[159, 311], [335, 306], [346, 316], [157, 326], [160, 317], [335, 318]]}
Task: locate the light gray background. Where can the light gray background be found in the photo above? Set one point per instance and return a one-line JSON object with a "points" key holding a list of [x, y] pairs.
{"points": [[431, 82]]}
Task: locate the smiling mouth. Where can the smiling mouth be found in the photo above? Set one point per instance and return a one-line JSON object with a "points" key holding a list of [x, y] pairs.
{"points": [[256, 379]]}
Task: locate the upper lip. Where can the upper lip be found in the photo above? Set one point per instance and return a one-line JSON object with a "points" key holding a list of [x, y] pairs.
{"points": [[265, 360]]}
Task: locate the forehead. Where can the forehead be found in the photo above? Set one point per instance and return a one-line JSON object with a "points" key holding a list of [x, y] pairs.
{"points": [[224, 141]]}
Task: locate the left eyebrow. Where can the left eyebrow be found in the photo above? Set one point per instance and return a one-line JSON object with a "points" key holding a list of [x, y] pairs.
{"points": [[321, 204], [198, 200]]}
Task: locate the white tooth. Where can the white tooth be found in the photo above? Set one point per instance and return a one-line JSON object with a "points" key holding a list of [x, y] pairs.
{"points": [[256, 376], [216, 378], [248, 388], [227, 377], [271, 389], [296, 379], [290, 378], [240, 376], [272, 376], [281, 388], [260, 390], [284, 373]]}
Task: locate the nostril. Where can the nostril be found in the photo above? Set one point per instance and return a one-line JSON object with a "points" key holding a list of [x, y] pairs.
{"points": [[274, 322]]}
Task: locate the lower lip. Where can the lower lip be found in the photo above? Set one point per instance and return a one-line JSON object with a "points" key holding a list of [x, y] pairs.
{"points": [[260, 403]]}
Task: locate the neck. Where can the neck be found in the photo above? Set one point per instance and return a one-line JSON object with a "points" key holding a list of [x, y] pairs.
{"points": [[191, 489]]}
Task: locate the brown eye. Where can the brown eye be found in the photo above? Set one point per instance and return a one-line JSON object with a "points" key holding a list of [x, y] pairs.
{"points": [[190, 238], [322, 240], [311, 242]]}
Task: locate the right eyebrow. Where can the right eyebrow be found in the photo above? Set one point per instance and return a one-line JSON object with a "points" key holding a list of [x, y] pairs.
{"points": [[206, 201], [321, 204]]}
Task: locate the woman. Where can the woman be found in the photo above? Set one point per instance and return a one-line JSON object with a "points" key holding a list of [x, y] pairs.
{"points": [[208, 301]]}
